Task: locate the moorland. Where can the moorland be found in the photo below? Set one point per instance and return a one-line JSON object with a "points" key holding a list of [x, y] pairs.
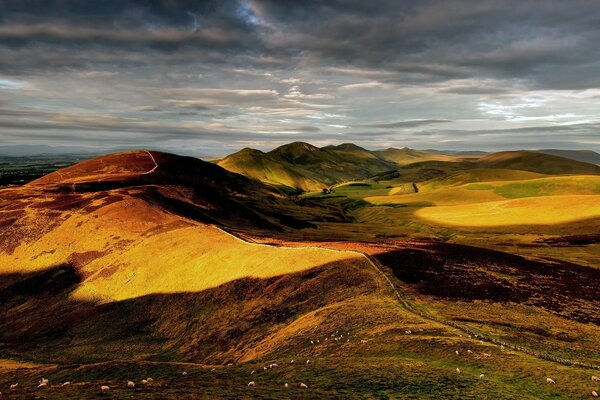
{"points": [[394, 273]]}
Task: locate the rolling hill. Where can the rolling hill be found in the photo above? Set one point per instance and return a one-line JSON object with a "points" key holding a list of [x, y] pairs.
{"points": [[144, 263], [588, 156], [304, 166], [406, 155], [537, 162]]}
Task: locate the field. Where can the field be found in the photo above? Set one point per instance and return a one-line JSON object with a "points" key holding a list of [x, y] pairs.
{"points": [[407, 284]]}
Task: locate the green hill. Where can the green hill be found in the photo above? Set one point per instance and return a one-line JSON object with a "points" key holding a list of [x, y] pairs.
{"points": [[307, 167], [405, 155], [587, 156], [537, 162]]}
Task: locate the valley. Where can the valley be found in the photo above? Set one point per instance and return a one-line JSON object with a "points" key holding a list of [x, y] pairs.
{"points": [[412, 275]]}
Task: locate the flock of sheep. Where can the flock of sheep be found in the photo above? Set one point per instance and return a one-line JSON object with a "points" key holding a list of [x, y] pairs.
{"points": [[337, 336]]}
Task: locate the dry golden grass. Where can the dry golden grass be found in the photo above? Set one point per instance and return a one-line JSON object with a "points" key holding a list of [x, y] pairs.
{"points": [[548, 210], [134, 249]]}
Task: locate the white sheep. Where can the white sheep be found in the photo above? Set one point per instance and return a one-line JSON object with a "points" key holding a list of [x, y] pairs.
{"points": [[308, 361], [595, 379], [594, 393], [291, 362], [311, 342], [456, 352], [150, 380], [42, 385], [363, 341], [130, 384], [145, 382], [303, 385], [213, 370], [408, 332], [486, 355], [458, 370], [469, 352], [184, 373], [66, 383], [550, 380], [44, 380], [286, 385], [105, 388], [252, 373], [251, 383], [14, 386], [481, 376]]}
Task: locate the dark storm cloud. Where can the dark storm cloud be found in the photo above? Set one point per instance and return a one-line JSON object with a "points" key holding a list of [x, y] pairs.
{"points": [[317, 69], [417, 41]]}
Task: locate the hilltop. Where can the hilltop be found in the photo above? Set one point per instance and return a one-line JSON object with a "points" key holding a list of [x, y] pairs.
{"points": [[307, 167], [537, 162]]}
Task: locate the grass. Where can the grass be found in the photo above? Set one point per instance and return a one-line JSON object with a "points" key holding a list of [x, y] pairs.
{"points": [[549, 210]]}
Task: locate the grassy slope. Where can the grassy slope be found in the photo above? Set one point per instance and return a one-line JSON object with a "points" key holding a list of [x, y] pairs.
{"points": [[307, 167], [407, 156], [251, 320]]}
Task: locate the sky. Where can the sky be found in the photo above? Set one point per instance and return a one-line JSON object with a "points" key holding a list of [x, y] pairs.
{"points": [[211, 77]]}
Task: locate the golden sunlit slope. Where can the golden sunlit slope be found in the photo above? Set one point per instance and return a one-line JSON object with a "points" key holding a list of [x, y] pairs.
{"points": [[130, 249], [133, 252], [547, 210]]}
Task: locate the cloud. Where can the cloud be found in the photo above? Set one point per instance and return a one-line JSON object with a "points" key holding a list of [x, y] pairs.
{"points": [[405, 124]]}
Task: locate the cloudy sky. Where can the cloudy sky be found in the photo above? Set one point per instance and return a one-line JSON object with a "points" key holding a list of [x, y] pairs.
{"points": [[210, 77]]}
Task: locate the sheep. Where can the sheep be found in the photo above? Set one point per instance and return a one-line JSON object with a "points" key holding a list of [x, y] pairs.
{"points": [[458, 370], [481, 376], [594, 393], [145, 382], [408, 332], [252, 373], [213, 370], [66, 383], [308, 361], [14, 386], [363, 341], [42, 385], [595, 379], [105, 388], [456, 352], [44, 380], [550, 380], [130, 384], [291, 362], [264, 368], [184, 373], [311, 342], [286, 385], [486, 355], [502, 346], [251, 383], [303, 385], [469, 352], [150, 380]]}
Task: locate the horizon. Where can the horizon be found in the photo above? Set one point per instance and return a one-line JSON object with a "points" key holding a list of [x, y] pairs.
{"points": [[213, 77]]}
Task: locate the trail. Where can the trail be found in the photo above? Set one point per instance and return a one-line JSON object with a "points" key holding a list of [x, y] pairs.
{"points": [[379, 268], [154, 161]]}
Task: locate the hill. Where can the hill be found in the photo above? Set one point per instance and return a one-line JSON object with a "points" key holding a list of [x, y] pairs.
{"points": [[406, 155], [304, 166], [147, 264], [587, 156], [537, 162]]}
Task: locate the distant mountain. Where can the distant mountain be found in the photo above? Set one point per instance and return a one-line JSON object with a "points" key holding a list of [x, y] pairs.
{"points": [[405, 155], [537, 162], [587, 156], [307, 167], [34, 150], [460, 153]]}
